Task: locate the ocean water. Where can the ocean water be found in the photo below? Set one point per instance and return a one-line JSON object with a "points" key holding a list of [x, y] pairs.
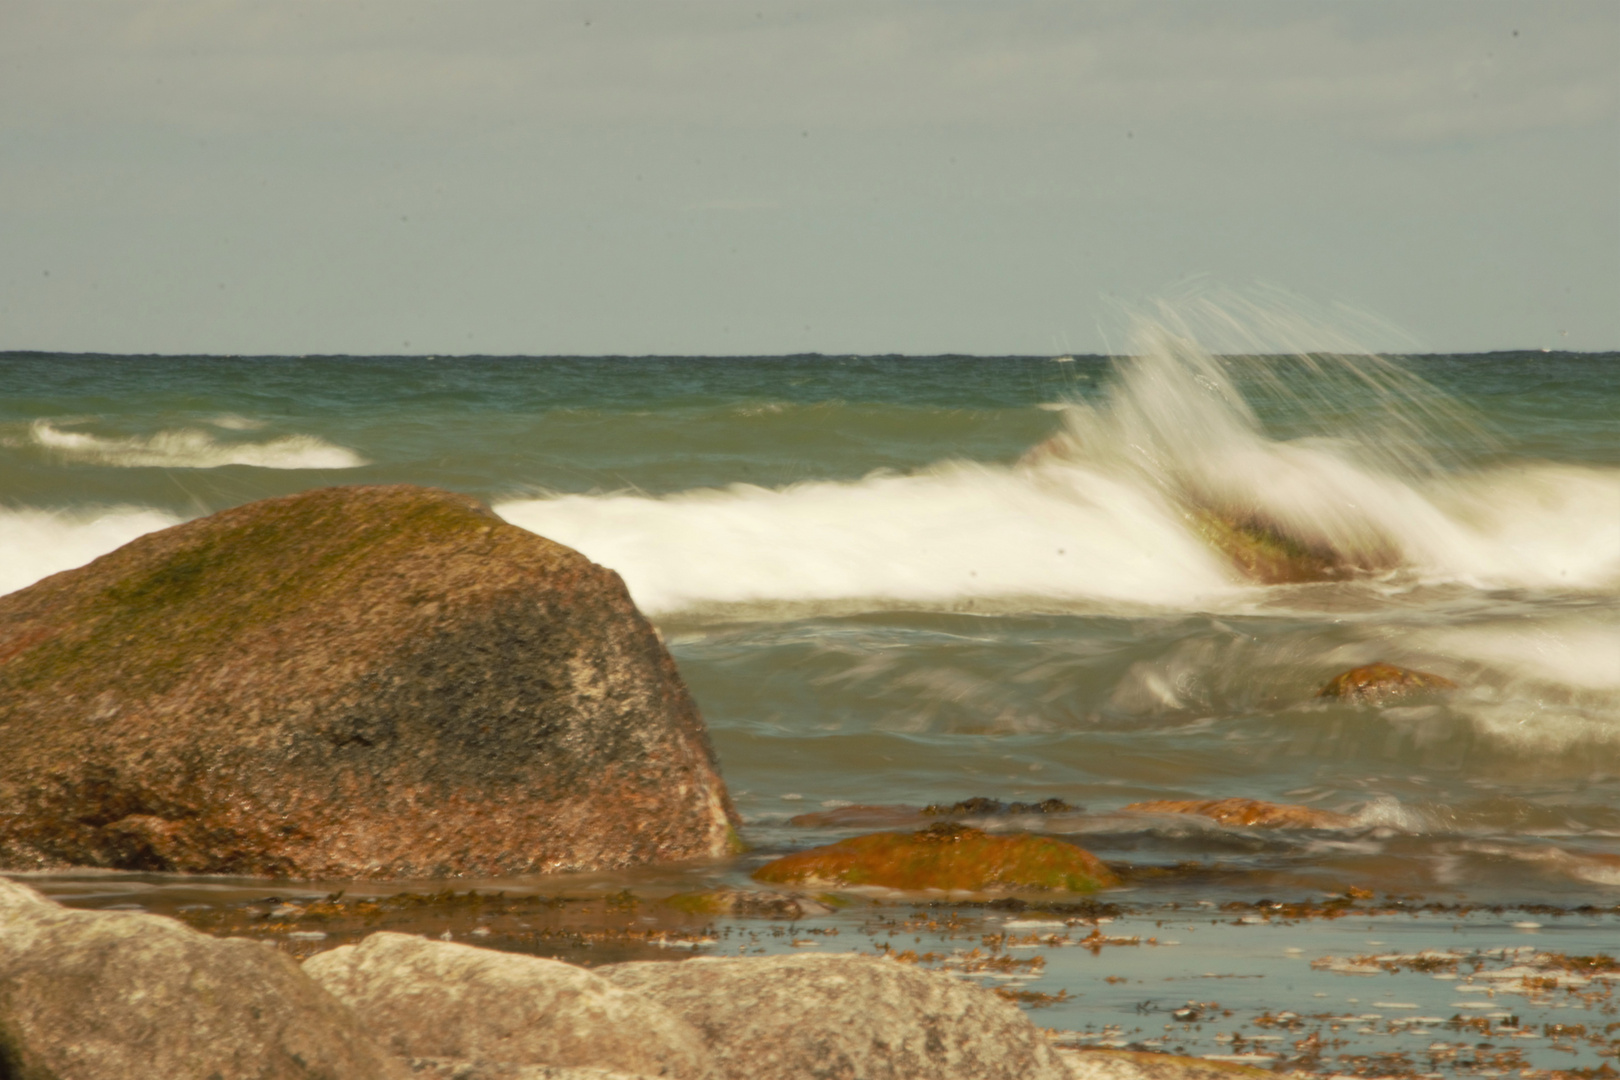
{"points": [[912, 580]]}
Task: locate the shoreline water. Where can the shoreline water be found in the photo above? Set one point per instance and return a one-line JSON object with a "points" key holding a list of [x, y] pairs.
{"points": [[1346, 984]]}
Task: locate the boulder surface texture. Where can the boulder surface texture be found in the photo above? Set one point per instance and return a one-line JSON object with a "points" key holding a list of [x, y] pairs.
{"points": [[843, 1018], [481, 1008], [349, 682], [88, 995]]}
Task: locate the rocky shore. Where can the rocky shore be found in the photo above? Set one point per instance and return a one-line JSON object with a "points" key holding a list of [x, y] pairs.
{"points": [[114, 995]]}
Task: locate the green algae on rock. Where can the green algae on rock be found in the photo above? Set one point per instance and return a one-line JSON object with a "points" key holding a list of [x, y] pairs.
{"points": [[1266, 554], [945, 856], [349, 682], [1374, 684]]}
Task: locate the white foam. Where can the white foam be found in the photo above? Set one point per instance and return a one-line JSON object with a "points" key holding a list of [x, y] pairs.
{"points": [[1106, 510], [37, 543], [189, 448], [951, 534]]}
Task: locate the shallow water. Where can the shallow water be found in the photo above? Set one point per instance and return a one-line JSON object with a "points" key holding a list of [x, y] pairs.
{"points": [[914, 580]]}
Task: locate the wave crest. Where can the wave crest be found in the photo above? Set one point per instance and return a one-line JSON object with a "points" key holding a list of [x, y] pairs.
{"points": [[189, 448]]}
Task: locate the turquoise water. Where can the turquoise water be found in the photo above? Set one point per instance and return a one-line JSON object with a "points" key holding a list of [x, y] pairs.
{"points": [[903, 580]]}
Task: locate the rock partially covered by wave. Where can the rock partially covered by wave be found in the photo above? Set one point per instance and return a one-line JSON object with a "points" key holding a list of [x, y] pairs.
{"points": [[1374, 684], [792, 1017], [350, 682], [90, 995]]}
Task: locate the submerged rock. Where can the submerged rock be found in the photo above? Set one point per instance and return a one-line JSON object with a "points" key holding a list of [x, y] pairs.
{"points": [[1374, 684], [87, 995], [944, 856], [350, 682], [863, 815], [835, 1017], [462, 1007], [1251, 812], [979, 806], [770, 905]]}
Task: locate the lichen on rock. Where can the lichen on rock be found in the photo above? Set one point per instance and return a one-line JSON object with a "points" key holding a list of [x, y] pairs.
{"points": [[945, 856]]}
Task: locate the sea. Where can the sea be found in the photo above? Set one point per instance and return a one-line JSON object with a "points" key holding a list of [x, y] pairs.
{"points": [[897, 581]]}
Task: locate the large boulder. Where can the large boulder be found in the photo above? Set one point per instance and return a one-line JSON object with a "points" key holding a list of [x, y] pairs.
{"points": [[350, 682], [112, 995], [464, 1008], [843, 1018]]}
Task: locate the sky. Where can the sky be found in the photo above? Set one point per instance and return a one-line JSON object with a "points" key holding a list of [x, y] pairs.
{"points": [[656, 176]]}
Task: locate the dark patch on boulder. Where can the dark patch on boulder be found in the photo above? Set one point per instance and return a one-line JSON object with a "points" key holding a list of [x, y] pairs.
{"points": [[374, 682]]}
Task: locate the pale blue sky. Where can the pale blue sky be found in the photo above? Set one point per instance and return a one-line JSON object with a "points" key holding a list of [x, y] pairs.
{"points": [[483, 176]]}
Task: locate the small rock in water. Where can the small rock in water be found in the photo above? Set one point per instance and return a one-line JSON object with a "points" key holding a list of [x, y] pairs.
{"points": [[1374, 684], [770, 905], [1251, 812], [979, 806], [945, 856]]}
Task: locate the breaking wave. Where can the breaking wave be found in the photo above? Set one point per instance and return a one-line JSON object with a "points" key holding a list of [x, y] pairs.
{"points": [[38, 543], [189, 448], [1197, 477]]}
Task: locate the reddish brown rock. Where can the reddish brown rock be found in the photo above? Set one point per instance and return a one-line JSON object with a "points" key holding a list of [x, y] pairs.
{"points": [[944, 856], [350, 682], [1253, 812], [1375, 684]]}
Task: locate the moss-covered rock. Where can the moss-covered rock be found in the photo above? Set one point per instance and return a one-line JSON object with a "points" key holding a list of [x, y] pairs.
{"points": [[1251, 812], [349, 682], [944, 856], [1374, 684]]}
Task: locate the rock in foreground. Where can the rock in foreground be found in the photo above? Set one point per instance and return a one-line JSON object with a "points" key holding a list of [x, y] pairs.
{"points": [[1251, 812], [842, 1017], [944, 856], [478, 1008], [1375, 684], [110, 996], [350, 682]]}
